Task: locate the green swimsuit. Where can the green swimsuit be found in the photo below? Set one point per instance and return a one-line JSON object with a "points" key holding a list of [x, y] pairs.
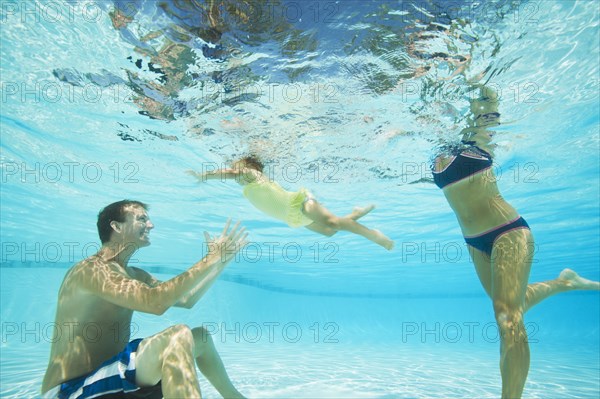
{"points": [[273, 200]]}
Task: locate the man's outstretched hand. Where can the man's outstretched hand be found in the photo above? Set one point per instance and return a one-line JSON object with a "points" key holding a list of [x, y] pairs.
{"points": [[223, 248]]}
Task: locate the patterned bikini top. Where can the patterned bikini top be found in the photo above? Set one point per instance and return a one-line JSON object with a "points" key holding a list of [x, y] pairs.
{"points": [[466, 162]]}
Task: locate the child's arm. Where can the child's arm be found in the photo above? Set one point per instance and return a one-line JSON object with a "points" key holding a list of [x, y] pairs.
{"points": [[241, 176], [223, 174]]}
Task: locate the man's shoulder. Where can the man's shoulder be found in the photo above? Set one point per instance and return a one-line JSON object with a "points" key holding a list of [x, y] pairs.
{"points": [[91, 262], [92, 265]]}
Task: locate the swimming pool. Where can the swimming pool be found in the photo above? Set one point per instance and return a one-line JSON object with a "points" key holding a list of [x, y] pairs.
{"points": [[349, 99]]}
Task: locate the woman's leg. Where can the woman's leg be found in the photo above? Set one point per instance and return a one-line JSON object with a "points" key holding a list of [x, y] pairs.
{"points": [[511, 263], [504, 278], [320, 215], [567, 280], [483, 267], [535, 293]]}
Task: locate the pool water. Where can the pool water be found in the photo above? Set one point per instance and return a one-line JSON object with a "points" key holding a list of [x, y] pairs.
{"points": [[102, 101]]}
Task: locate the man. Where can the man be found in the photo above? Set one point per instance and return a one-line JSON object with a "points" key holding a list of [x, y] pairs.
{"points": [[103, 292]]}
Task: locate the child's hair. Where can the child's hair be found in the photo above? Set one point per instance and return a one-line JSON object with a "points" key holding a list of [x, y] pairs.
{"points": [[253, 161]]}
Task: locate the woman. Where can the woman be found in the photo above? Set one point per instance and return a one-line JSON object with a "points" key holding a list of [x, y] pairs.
{"points": [[499, 240]]}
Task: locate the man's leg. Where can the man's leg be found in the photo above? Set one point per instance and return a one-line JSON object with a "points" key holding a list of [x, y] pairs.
{"points": [[210, 364], [168, 357]]}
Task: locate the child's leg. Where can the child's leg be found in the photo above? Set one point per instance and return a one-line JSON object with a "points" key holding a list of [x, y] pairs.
{"points": [[356, 214], [320, 215], [321, 229]]}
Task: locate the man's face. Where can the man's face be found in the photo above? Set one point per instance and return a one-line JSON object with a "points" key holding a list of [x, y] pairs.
{"points": [[137, 226]]}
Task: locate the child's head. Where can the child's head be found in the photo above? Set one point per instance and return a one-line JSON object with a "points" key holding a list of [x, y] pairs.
{"points": [[251, 162]]}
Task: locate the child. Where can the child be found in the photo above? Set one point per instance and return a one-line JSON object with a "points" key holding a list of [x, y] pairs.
{"points": [[297, 209]]}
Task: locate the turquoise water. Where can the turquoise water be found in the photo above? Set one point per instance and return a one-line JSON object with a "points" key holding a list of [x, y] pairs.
{"points": [[347, 99]]}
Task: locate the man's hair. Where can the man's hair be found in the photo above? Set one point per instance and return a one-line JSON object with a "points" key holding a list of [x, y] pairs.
{"points": [[116, 212], [254, 162]]}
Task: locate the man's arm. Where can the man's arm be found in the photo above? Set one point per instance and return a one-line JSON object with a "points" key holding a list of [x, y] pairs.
{"points": [[191, 298], [186, 301], [105, 280]]}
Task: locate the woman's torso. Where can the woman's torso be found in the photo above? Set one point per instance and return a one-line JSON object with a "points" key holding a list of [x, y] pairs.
{"points": [[466, 176]]}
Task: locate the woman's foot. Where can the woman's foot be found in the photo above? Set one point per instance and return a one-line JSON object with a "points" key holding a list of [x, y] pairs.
{"points": [[574, 281]]}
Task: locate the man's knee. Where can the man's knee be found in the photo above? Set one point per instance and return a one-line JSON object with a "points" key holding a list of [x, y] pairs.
{"points": [[154, 351], [202, 338], [179, 334], [201, 333]]}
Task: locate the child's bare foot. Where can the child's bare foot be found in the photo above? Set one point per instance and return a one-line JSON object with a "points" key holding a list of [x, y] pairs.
{"points": [[358, 212], [383, 240], [573, 280]]}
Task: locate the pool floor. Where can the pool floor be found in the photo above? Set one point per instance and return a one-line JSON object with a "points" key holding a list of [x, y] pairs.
{"points": [[365, 358], [358, 371]]}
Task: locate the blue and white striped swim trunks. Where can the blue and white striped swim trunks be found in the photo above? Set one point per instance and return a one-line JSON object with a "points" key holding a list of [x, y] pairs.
{"points": [[115, 378]]}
